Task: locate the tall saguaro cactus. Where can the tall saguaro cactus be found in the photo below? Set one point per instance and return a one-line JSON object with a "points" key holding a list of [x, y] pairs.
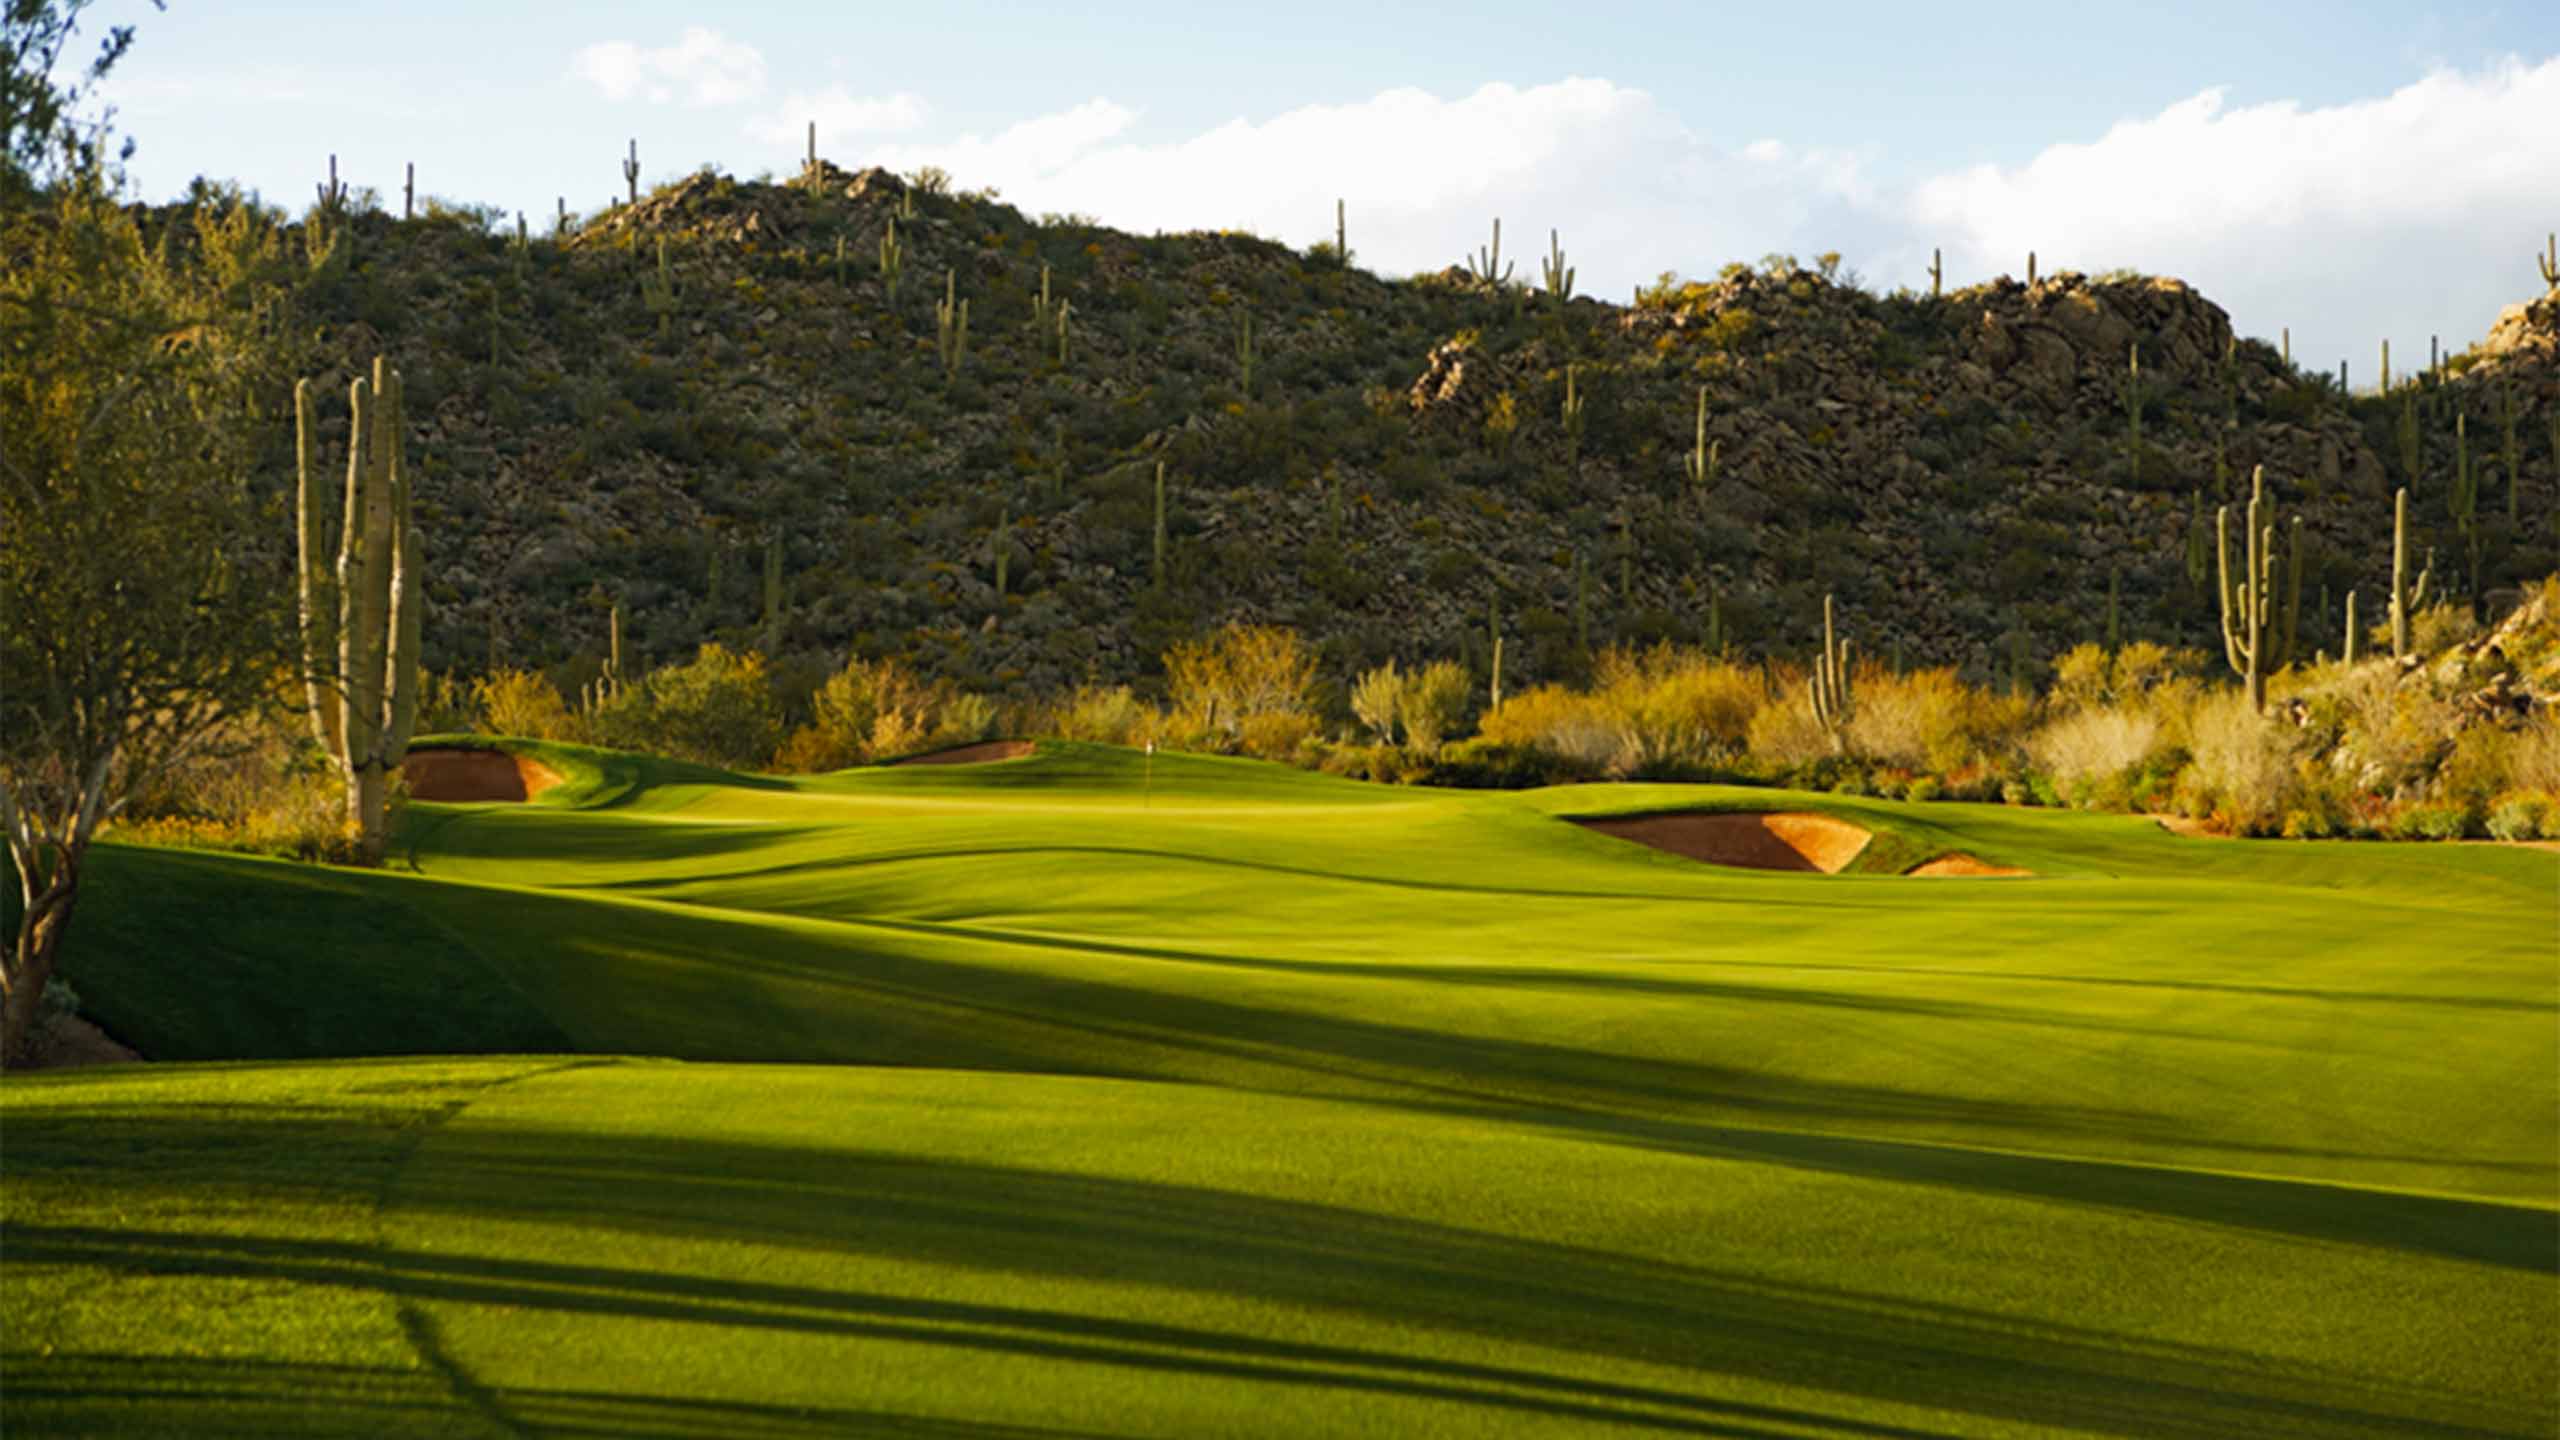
{"points": [[2405, 598], [1573, 412], [1486, 264], [951, 325], [1829, 689], [893, 261], [2251, 640], [361, 616], [1700, 463], [659, 291]]}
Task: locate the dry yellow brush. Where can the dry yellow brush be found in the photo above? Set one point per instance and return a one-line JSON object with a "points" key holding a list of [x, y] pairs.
{"points": [[2453, 747]]}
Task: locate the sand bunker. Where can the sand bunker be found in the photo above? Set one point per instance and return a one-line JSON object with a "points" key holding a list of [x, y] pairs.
{"points": [[472, 775], [978, 754], [1783, 841], [1959, 863]]}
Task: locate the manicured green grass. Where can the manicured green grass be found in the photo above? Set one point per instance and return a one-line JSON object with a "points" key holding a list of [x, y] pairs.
{"points": [[1234, 1100]]}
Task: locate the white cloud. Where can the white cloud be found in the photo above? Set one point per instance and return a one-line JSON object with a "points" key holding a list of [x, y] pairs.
{"points": [[2403, 216], [2407, 215], [703, 67], [840, 115], [1633, 191]]}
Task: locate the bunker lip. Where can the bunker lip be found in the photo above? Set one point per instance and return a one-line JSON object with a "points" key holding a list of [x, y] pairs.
{"points": [[1790, 840], [982, 753], [458, 776], [1957, 862]]}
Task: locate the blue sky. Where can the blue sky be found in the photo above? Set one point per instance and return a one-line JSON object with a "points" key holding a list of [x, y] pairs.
{"points": [[2349, 171]]}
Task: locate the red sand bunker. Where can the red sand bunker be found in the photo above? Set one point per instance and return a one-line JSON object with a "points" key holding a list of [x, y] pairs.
{"points": [[1959, 863], [978, 754], [474, 775], [1789, 840]]}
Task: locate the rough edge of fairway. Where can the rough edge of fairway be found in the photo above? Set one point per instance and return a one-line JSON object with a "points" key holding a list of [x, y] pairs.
{"points": [[984, 752]]}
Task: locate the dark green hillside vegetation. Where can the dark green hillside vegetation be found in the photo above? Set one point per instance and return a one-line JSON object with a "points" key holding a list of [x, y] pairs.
{"points": [[714, 408]]}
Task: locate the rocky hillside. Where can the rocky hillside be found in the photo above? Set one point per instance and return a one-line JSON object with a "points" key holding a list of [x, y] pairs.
{"points": [[760, 443]]}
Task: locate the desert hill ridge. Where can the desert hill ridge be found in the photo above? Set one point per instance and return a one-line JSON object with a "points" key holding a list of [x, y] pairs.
{"points": [[758, 443]]}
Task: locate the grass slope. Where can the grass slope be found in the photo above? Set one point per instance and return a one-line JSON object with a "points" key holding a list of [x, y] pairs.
{"points": [[1484, 1124]]}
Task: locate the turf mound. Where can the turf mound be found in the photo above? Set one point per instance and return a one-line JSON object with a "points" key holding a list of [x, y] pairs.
{"points": [[457, 775], [978, 754], [68, 1042], [1786, 840], [1959, 863]]}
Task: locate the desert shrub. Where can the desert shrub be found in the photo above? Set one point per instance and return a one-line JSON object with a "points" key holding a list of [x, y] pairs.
{"points": [[1577, 732], [1276, 734], [965, 719], [1376, 697], [2390, 728], [523, 703], [446, 705], [2520, 816], [1480, 763], [2239, 765], [1239, 673], [2440, 627], [2080, 677], [1913, 721], [2480, 765], [2430, 820], [1107, 715], [1676, 705], [256, 782], [2533, 754], [717, 709], [1784, 735], [1431, 704], [2090, 747], [874, 709]]}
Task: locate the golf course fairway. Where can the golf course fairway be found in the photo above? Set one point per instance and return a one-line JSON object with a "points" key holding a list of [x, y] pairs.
{"points": [[1083, 1094]]}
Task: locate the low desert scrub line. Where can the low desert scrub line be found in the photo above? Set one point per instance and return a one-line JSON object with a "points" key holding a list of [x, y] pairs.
{"points": [[2453, 748]]}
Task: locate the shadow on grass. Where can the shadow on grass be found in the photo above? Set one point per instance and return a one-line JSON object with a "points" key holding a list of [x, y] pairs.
{"points": [[845, 1207], [238, 1399], [987, 1014]]}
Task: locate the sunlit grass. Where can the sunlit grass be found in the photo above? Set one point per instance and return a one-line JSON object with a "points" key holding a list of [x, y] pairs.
{"points": [[1235, 1100]]}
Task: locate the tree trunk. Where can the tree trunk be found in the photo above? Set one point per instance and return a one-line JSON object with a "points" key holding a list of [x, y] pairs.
{"points": [[31, 957], [368, 796]]}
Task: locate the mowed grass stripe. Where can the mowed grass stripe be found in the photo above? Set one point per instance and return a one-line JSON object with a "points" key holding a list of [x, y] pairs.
{"points": [[2258, 1026], [1262, 1103], [793, 1251]]}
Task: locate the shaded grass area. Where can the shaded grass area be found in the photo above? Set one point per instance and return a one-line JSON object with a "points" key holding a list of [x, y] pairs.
{"points": [[663, 1250], [1478, 1123]]}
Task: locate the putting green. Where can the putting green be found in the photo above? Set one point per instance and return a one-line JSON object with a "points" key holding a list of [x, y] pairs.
{"points": [[1206, 1097]]}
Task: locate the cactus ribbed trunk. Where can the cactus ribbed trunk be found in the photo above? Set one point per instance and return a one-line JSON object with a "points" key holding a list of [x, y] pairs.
{"points": [[2405, 597], [361, 623], [2248, 607], [319, 587], [1828, 689]]}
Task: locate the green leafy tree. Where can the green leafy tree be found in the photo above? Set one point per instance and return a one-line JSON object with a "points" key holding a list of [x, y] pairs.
{"points": [[141, 587], [42, 133]]}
